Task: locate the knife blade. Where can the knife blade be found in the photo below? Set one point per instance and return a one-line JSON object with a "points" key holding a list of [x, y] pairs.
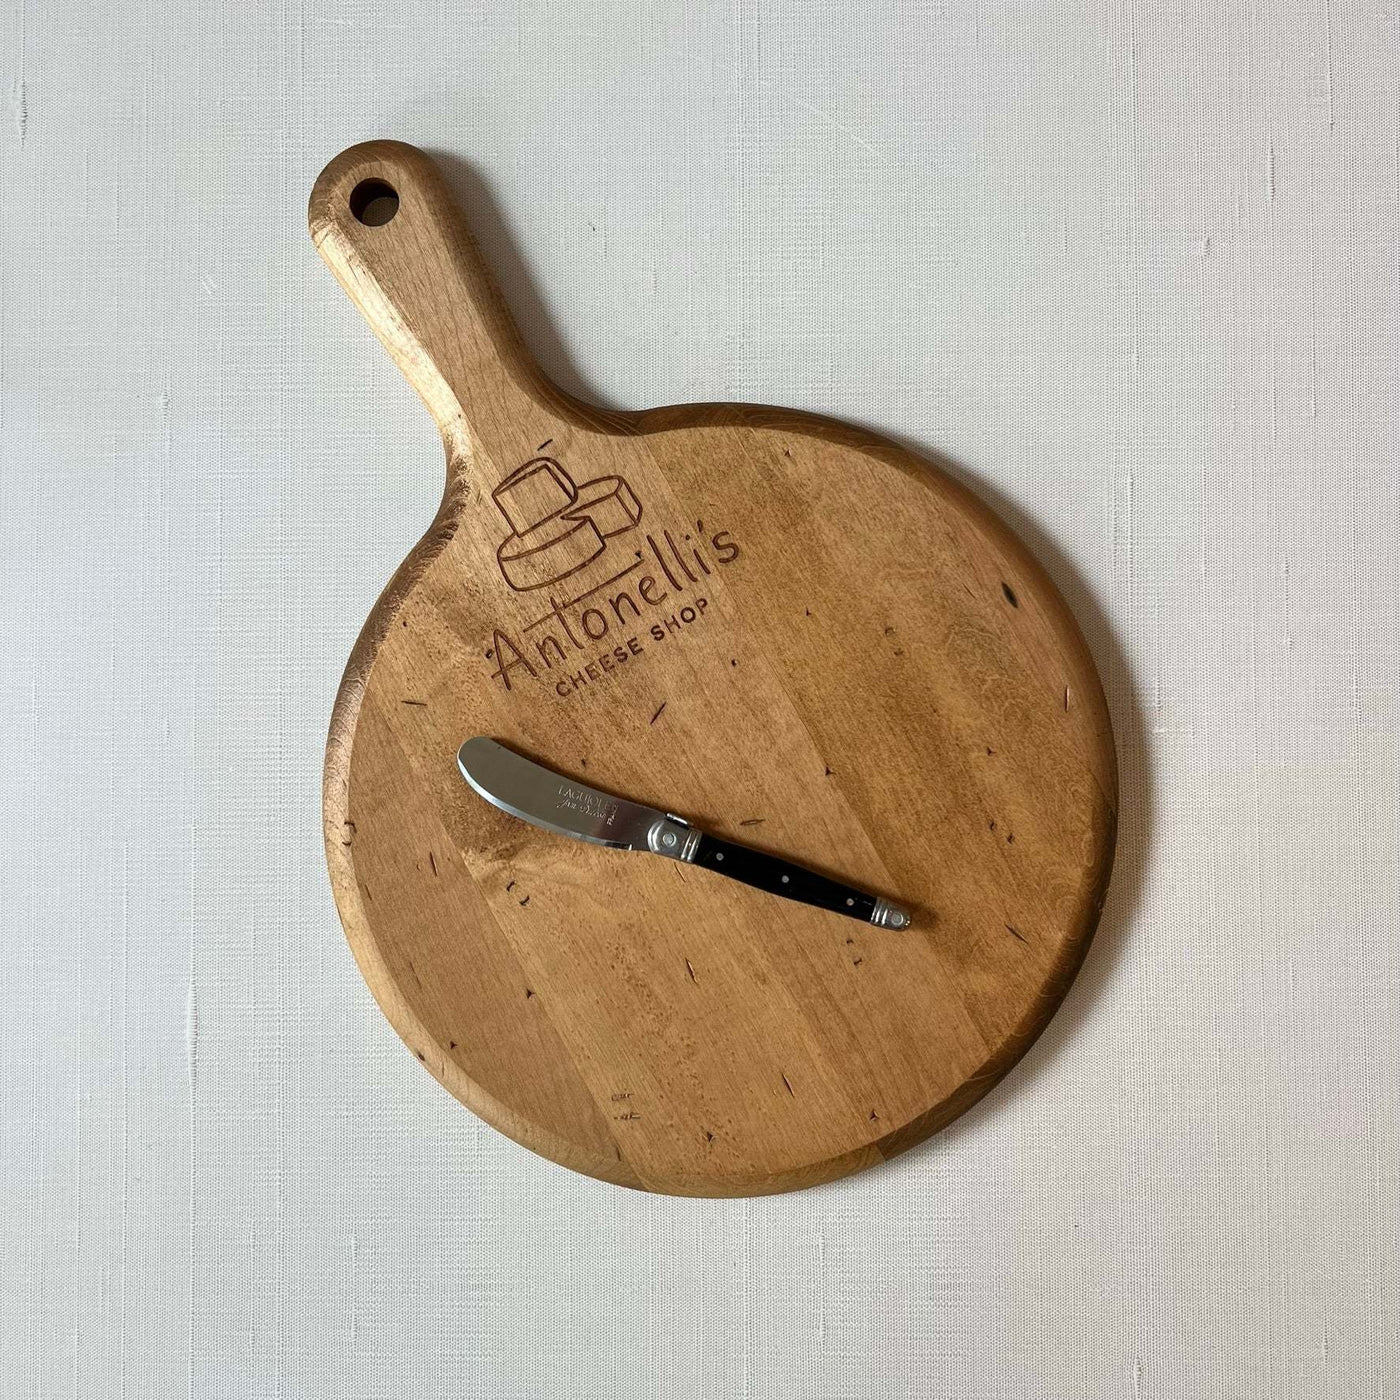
{"points": [[533, 793]]}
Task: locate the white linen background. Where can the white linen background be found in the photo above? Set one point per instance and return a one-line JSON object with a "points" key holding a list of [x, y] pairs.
{"points": [[1132, 269]]}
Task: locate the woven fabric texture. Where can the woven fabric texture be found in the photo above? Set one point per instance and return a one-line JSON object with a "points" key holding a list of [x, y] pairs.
{"points": [[1131, 269]]}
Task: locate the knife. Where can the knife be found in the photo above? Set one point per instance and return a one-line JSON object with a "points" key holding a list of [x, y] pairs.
{"points": [[547, 799]]}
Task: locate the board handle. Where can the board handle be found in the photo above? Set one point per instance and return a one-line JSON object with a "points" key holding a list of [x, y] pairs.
{"points": [[383, 219]]}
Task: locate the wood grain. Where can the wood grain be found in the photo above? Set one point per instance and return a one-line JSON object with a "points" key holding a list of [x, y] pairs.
{"points": [[795, 634]]}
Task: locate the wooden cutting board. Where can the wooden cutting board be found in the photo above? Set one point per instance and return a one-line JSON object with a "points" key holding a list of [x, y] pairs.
{"points": [[786, 630]]}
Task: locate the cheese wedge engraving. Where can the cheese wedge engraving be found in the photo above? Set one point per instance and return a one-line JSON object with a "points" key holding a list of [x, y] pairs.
{"points": [[533, 494]]}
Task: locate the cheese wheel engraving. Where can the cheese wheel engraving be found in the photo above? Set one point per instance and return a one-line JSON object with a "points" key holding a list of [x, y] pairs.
{"points": [[609, 502], [557, 549]]}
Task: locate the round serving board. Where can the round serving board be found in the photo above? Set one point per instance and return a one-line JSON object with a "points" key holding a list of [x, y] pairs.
{"points": [[790, 632]]}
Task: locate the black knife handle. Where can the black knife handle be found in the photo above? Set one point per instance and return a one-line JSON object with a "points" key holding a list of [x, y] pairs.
{"points": [[782, 877]]}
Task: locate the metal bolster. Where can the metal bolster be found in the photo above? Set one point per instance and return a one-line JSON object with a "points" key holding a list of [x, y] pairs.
{"points": [[671, 836], [887, 915]]}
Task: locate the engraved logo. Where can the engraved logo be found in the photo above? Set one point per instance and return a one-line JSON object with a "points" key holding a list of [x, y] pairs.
{"points": [[559, 528], [591, 804], [607, 589]]}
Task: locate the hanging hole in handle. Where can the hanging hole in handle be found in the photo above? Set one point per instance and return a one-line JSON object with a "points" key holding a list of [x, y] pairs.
{"points": [[374, 202]]}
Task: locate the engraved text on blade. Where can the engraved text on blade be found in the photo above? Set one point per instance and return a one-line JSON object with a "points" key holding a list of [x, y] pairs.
{"points": [[590, 803]]}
